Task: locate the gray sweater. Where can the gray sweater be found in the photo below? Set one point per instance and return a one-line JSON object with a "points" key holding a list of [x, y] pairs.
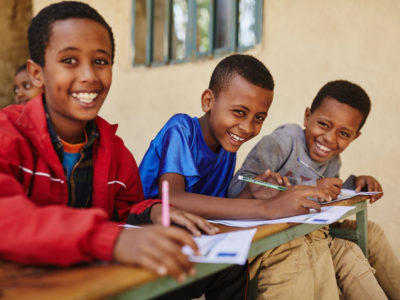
{"points": [[278, 152]]}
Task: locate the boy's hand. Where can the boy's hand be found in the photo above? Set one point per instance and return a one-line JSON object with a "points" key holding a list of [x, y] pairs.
{"points": [[191, 222], [295, 201], [371, 183], [262, 192], [156, 248], [332, 185]]}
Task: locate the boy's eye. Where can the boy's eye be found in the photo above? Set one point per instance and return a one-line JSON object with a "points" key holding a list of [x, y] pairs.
{"points": [[345, 134], [27, 86], [15, 90], [69, 60], [239, 112], [260, 118], [101, 61], [323, 124]]}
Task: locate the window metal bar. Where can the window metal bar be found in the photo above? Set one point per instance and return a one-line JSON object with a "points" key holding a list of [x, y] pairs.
{"points": [[259, 20], [211, 28], [150, 31], [168, 31], [235, 17], [133, 36], [191, 30]]}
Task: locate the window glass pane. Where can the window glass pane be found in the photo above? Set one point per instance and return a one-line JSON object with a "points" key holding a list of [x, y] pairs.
{"points": [[224, 23], [140, 32], [179, 26], [160, 14], [247, 23], [203, 24]]}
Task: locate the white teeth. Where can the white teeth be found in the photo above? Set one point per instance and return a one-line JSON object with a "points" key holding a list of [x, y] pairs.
{"points": [[85, 97], [322, 147], [236, 138]]}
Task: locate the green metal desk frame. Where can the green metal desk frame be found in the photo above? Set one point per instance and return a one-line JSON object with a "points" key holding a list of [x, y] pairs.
{"points": [[165, 284]]}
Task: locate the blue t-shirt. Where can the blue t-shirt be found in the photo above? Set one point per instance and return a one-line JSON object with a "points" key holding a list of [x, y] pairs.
{"points": [[180, 148], [69, 161]]}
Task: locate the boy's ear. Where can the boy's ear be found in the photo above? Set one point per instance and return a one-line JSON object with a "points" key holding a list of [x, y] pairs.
{"points": [[357, 135], [307, 115], [35, 73], [207, 100]]}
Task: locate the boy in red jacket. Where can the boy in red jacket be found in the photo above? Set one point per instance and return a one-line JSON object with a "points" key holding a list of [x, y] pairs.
{"points": [[66, 179]]}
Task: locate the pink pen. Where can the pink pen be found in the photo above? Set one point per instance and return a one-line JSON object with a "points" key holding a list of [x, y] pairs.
{"points": [[165, 204]]}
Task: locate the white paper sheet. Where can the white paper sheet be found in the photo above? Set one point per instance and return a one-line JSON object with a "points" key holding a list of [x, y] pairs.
{"points": [[328, 215], [224, 248], [347, 194]]}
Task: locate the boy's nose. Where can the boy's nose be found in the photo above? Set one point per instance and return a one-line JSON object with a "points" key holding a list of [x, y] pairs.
{"points": [[88, 74], [20, 96], [246, 126], [330, 137]]}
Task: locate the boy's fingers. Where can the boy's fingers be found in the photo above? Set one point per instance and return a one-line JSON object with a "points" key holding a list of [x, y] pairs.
{"points": [[191, 227], [263, 176], [169, 255], [359, 186], [307, 203], [286, 181], [277, 177], [319, 193], [183, 220], [153, 265], [193, 223], [182, 237], [204, 225], [162, 255]]}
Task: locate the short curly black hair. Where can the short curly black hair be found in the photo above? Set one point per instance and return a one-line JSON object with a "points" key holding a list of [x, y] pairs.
{"points": [[345, 92], [247, 66], [20, 68], [39, 30]]}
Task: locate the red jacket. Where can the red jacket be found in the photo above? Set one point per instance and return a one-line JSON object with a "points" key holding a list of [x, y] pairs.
{"points": [[36, 226]]}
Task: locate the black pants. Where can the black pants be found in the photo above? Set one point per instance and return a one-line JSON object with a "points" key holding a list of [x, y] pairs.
{"points": [[228, 284]]}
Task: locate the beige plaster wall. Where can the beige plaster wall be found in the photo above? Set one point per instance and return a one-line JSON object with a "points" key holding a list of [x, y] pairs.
{"points": [[15, 16], [305, 44]]}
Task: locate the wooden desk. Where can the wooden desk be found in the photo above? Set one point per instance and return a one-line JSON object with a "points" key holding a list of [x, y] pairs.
{"points": [[101, 281]]}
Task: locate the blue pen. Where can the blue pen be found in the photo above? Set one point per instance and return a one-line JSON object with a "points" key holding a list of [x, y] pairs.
{"points": [[263, 183]]}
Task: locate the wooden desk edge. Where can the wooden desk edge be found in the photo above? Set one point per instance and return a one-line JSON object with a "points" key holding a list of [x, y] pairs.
{"points": [[22, 282]]}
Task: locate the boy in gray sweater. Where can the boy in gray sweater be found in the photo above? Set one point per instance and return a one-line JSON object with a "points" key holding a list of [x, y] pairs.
{"points": [[334, 120]]}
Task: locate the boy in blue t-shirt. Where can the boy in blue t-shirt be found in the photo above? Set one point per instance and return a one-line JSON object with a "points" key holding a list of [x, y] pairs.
{"points": [[197, 155], [312, 156]]}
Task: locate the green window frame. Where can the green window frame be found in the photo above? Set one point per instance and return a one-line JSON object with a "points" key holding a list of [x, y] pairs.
{"points": [[209, 28]]}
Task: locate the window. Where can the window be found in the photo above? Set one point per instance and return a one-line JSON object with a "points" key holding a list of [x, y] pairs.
{"points": [[170, 31]]}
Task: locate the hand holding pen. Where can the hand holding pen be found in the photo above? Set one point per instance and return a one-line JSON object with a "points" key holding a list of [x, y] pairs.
{"points": [[307, 189], [266, 185], [331, 184], [165, 214]]}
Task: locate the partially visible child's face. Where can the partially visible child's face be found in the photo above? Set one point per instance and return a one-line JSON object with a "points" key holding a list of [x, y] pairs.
{"points": [[236, 115], [23, 88], [330, 128], [77, 71]]}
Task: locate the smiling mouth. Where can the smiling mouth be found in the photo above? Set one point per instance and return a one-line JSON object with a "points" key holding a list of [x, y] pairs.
{"points": [[323, 148], [85, 97], [236, 137]]}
